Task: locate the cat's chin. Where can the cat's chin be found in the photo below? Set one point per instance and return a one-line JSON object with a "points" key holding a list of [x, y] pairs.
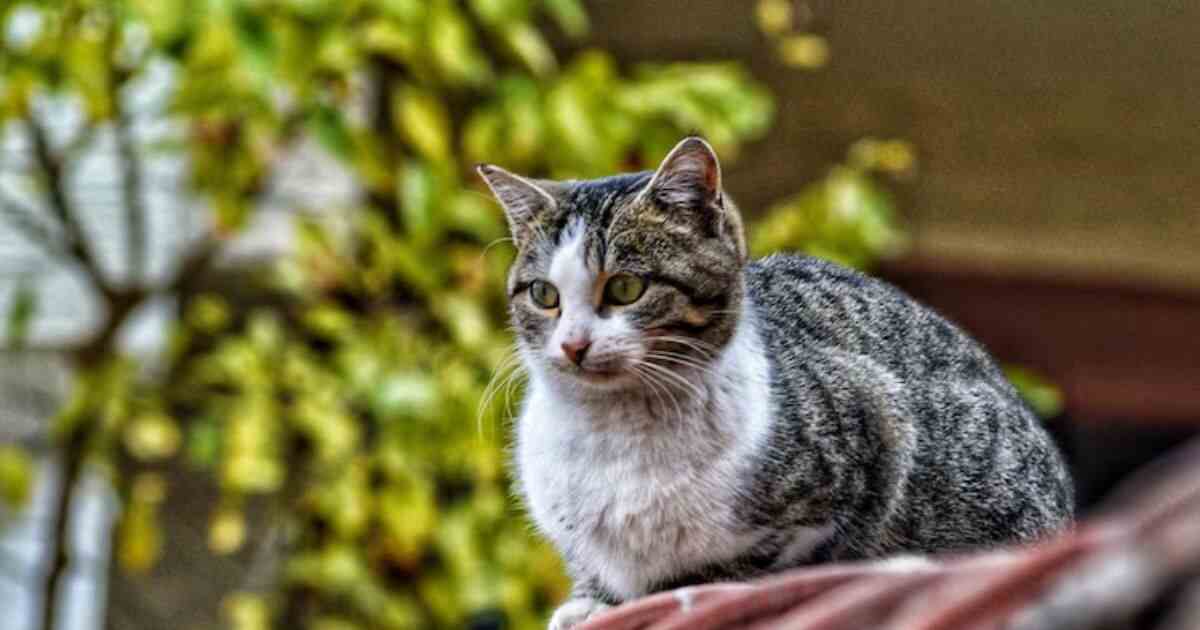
{"points": [[596, 379]]}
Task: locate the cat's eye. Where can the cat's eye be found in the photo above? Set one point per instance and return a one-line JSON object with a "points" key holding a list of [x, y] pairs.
{"points": [[543, 294], [623, 289]]}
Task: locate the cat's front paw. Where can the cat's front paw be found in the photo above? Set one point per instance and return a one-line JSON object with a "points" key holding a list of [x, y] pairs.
{"points": [[906, 563], [575, 612]]}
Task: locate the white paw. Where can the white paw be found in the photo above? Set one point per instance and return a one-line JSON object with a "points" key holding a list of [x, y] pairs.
{"points": [[907, 563], [575, 612]]}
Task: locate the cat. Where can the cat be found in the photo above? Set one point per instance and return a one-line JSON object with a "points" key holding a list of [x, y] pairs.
{"points": [[695, 416]]}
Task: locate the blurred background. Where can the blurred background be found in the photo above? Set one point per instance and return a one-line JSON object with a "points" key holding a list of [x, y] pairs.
{"points": [[255, 367]]}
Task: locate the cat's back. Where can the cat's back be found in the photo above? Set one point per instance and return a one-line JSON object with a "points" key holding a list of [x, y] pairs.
{"points": [[854, 359], [801, 300]]}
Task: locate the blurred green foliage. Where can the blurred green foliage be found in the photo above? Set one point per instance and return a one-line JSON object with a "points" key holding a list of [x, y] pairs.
{"points": [[16, 477], [784, 23], [847, 216], [352, 402], [1043, 396]]}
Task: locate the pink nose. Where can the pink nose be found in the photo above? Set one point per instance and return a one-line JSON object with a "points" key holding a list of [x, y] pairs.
{"points": [[575, 350]]}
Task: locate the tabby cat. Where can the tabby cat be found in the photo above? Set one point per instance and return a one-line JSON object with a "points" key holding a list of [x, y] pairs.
{"points": [[695, 416]]}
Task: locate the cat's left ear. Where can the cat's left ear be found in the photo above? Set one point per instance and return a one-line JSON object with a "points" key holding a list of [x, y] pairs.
{"points": [[525, 200], [689, 177]]}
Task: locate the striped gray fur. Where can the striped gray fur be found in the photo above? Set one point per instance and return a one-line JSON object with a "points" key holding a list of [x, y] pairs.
{"points": [[743, 417]]}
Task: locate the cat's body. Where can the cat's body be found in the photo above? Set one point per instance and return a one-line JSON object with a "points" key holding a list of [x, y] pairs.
{"points": [[731, 419]]}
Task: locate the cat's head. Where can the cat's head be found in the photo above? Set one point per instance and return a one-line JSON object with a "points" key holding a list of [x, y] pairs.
{"points": [[618, 279]]}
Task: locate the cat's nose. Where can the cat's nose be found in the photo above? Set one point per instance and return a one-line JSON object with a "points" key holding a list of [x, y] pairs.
{"points": [[575, 350]]}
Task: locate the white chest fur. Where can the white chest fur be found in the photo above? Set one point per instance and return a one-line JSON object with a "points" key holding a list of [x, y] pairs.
{"points": [[634, 499]]}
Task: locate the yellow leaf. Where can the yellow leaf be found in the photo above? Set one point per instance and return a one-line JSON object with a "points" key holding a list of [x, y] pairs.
{"points": [[139, 538], [149, 489], [451, 44], [16, 475], [422, 118], [804, 51], [152, 437], [530, 47], [208, 313], [226, 531], [774, 16], [246, 611]]}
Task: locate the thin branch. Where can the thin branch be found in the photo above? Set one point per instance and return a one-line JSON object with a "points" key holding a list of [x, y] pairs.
{"points": [[121, 303], [59, 556], [132, 170], [57, 350], [60, 205], [195, 265], [22, 220], [131, 185], [81, 141]]}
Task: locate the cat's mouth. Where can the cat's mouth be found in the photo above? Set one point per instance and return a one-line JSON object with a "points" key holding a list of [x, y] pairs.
{"points": [[607, 374], [598, 374]]}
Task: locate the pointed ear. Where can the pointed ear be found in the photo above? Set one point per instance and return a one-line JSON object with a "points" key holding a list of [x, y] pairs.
{"points": [[689, 177], [524, 200]]}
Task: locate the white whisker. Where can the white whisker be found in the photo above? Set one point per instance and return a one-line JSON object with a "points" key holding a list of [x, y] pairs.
{"points": [[650, 385], [508, 370], [666, 390], [683, 383], [682, 360]]}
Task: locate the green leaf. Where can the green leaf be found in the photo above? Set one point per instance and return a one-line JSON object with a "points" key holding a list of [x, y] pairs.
{"points": [[329, 127], [168, 20], [482, 136], [1042, 396], [404, 10], [405, 394], [21, 314], [452, 47], [570, 15], [215, 45], [467, 321], [774, 17], [256, 44], [16, 476], [477, 216], [86, 61], [420, 115], [846, 217], [392, 39], [496, 12], [528, 45], [248, 611], [203, 443], [152, 437], [419, 192], [337, 51]]}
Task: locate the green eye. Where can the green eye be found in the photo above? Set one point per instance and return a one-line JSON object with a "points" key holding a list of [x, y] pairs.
{"points": [[543, 294], [623, 289]]}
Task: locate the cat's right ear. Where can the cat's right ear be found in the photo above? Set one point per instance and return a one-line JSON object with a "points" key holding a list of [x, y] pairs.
{"points": [[524, 200], [689, 177]]}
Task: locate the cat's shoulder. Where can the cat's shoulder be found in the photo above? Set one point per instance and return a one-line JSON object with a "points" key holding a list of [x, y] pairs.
{"points": [[780, 275], [797, 296]]}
